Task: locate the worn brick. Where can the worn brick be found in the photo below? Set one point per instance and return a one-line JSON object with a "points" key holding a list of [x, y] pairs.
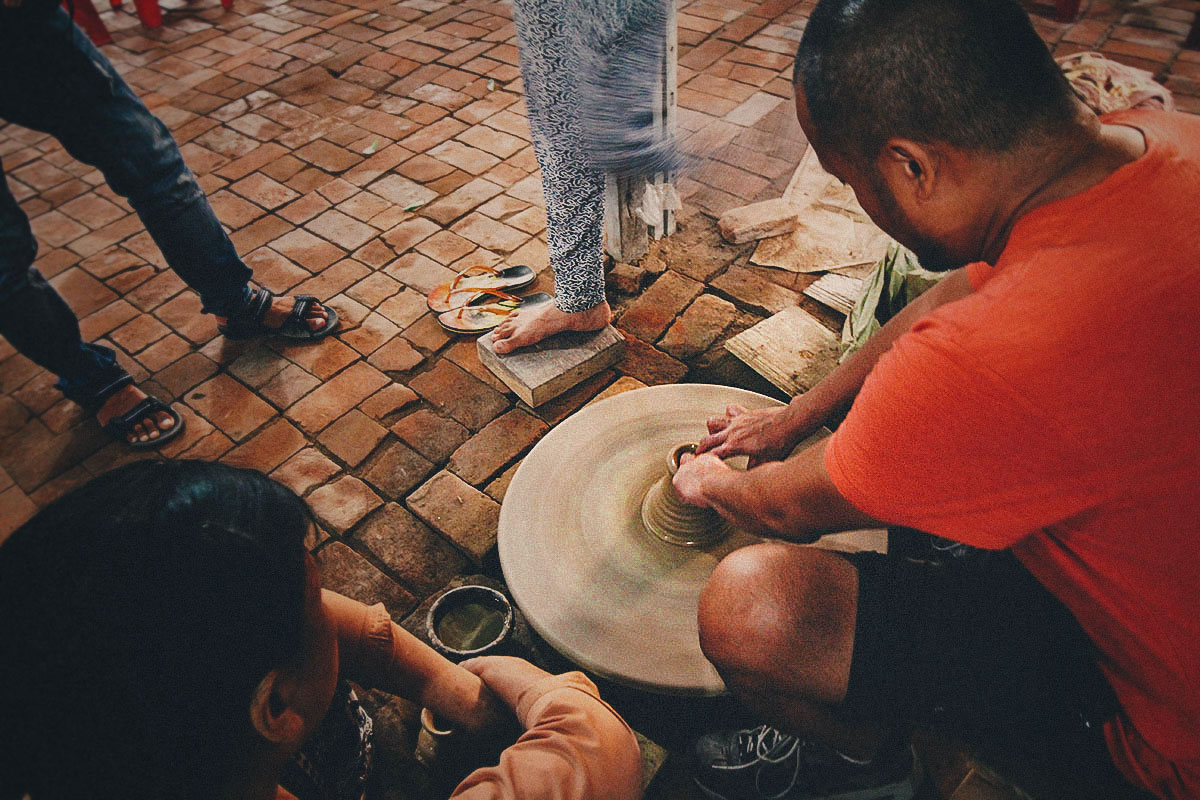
{"points": [[461, 395], [388, 401], [342, 503], [649, 365], [650, 314], [304, 470], [420, 558], [395, 469], [698, 327], [230, 406], [346, 572], [352, 437], [267, 449], [337, 396], [433, 436], [755, 291], [185, 373], [322, 359], [499, 442], [459, 512]]}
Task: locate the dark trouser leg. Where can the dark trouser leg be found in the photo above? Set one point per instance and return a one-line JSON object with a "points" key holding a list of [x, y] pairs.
{"points": [[38, 322], [57, 82]]}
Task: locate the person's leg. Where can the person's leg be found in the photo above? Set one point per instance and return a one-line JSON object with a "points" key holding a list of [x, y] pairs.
{"points": [[973, 648], [549, 34], [61, 84]]}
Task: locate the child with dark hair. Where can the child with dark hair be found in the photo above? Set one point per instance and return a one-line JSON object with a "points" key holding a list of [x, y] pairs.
{"points": [[166, 636]]}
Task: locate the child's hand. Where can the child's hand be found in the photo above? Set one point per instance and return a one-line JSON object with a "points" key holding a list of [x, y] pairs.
{"points": [[506, 676]]}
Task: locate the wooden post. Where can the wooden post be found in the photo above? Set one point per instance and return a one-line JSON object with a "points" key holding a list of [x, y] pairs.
{"points": [[626, 233]]}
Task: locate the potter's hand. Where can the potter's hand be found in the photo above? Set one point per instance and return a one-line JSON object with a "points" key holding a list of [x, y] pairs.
{"points": [[693, 473], [506, 676], [765, 434]]}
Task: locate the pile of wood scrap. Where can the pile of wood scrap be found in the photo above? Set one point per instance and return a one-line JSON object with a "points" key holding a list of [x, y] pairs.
{"points": [[817, 226]]}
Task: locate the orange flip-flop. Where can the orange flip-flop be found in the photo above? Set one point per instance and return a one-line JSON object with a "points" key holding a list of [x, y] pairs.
{"points": [[481, 316], [479, 278]]}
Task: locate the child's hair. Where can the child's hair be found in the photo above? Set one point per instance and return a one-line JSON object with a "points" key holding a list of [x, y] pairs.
{"points": [[138, 613]]}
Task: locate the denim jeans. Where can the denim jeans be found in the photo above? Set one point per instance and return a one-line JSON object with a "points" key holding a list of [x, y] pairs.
{"points": [[53, 80]]}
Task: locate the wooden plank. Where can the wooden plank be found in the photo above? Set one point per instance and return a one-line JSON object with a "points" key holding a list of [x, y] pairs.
{"points": [[792, 349], [839, 292], [547, 369]]}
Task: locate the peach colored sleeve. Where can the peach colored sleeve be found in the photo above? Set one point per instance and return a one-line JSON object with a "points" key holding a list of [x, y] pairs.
{"points": [[575, 747], [365, 651]]}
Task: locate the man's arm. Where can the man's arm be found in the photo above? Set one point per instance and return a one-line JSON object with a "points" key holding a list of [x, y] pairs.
{"points": [[770, 434], [793, 499]]}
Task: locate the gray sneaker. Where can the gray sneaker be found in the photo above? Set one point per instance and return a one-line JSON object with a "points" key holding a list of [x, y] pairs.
{"points": [[764, 764]]}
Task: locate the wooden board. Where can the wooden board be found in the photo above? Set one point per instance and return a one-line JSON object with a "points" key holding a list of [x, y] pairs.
{"points": [[839, 292], [551, 367], [792, 349]]}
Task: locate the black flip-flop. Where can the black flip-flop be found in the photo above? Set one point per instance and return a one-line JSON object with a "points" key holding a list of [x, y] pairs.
{"points": [[248, 323], [124, 425], [472, 281]]}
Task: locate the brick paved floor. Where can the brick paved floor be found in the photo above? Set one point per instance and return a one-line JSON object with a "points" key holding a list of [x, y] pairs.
{"points": [[313, 125]]}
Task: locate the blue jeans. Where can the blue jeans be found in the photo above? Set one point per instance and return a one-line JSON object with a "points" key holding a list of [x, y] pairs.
{"points": [[53, 80]]}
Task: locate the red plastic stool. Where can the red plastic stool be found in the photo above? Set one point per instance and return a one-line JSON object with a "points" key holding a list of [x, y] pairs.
{"points": [[151, 15], [86, 17]]}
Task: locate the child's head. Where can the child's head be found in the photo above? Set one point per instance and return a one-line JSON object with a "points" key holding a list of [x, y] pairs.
{"points": [[158, 623]]}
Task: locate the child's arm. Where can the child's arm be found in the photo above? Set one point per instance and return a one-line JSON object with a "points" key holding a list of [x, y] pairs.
{"points": [[376, 653]]}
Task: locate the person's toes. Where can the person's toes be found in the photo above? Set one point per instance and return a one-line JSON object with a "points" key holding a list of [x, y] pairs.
{"points": [[139, 433], [165, 421]]}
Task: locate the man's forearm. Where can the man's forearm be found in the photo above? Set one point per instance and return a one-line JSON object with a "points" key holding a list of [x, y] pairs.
{"points": [[833, 396], [793, 499]]}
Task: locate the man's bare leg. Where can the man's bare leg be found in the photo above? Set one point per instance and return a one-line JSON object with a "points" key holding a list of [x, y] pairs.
{"points": [[524, 328], [778, 621]]}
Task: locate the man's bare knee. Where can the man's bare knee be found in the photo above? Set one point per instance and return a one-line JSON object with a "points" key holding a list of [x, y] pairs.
{"points": [[781, 616]]}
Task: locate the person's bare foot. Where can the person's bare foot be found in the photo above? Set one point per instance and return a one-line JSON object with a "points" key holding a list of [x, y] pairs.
{"points": [[523, 328], [153, 426], [281, 307]]}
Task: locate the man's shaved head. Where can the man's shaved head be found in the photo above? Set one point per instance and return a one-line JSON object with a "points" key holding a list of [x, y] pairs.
{"points": [[970, 73]]}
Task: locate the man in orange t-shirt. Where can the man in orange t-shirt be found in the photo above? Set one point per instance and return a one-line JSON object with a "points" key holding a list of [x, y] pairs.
{"points": [[1041, 405]]}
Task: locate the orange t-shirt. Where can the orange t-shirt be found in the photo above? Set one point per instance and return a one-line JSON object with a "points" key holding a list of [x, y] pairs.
{"points": [[1056, 411]]}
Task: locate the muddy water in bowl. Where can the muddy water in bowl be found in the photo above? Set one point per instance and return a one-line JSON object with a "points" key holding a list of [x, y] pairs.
{"points": [[469, 621]]}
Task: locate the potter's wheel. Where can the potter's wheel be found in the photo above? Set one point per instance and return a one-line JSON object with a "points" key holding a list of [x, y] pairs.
{"points": [[579, 562]]}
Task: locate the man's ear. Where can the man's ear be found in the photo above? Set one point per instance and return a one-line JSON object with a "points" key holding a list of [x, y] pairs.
{"points": [[272, 710], [910, 168]]}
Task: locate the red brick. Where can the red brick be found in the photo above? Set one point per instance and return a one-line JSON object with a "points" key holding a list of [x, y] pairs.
{"points": [[420, 558], [164, 352], [138, 333], [651, 313], [184, 316], [419, 272], [337, 396], [407, 234], [388, 401], [346, 572], [231, 407], [15, 509], [433, 436], [499, 442], [267, 192], [341, 229], [459, 394], [352, 437], [304, 470], [649, 365], [186, 373], [755, 291], [445, 247], [423, 168], [458, 511], [489, 233], [699, 327], [267, 449], [83, 293], [307, 250], [465, 157], [288, 385], [468, 196], [341, 504]]}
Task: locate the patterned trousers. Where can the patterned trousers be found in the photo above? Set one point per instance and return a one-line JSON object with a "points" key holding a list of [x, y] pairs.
{"points": [[550, 36]]}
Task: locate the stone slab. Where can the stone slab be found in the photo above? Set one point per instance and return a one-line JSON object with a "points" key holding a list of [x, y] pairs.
{"points": [[546, 370]]}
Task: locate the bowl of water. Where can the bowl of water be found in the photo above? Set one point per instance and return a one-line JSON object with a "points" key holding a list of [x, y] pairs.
{"points": [[469, 621]]}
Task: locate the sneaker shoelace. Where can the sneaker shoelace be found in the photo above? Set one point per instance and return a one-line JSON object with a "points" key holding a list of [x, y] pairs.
{"points": [[768, 745]]}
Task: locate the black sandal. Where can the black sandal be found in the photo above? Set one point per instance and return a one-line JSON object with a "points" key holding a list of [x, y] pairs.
{"points": [[124, 426], [248, 323]]}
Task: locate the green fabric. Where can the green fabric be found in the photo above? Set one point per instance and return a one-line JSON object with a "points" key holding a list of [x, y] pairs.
{"points": [[896, 281]]}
